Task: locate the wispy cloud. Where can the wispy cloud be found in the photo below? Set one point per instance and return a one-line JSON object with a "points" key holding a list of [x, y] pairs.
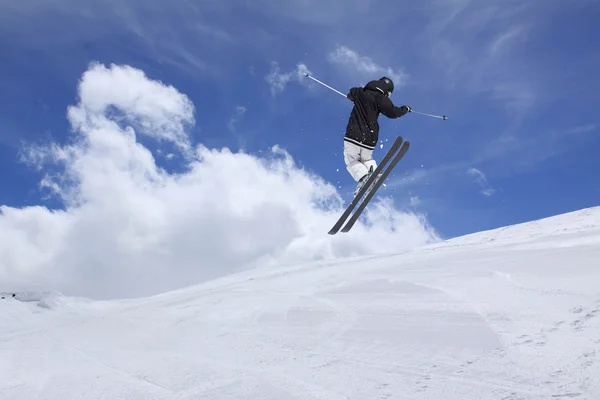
{"points": [[239, 112], [481, 180], [163, 33], [517, 96], [582, 129], [364, 65], [278, 80], [529, 152], [472, 44], [318, 13], [503, 40], [213, 31], [525, 154], [342, 56], [425, 176]]}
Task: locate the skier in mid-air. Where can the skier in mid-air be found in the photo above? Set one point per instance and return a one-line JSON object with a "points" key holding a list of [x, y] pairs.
{"points": [[362, 131]]}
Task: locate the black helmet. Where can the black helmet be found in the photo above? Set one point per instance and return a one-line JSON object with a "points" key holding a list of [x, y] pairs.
{"points": [[389, 83]]}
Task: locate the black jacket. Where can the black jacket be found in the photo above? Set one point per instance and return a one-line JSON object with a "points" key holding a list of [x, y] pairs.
{"points": [[369, 102]]}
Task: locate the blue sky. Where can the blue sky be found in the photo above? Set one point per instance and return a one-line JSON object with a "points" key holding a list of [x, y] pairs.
{"points": [[518, 81]]}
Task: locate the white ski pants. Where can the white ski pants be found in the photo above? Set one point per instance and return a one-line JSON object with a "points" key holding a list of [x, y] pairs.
{"points": [[358, 160]]}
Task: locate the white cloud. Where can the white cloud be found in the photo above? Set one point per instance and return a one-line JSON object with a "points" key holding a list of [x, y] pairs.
{"points": [[278, 80], [364, 65], [481, 180], [130, 228], [159, 110]]}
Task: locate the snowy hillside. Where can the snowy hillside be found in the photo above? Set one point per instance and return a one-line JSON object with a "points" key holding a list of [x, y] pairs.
{"points": [[507, 314]]}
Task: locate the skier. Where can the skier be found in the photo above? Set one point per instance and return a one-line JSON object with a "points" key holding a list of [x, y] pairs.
{"points": [[362, 131]]}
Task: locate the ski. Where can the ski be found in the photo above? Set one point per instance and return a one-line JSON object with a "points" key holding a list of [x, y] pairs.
{"points": [[376, 185], [395, 146]]}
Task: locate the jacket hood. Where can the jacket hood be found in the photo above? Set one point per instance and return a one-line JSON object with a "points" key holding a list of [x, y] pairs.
{"points": [[380, 86]]}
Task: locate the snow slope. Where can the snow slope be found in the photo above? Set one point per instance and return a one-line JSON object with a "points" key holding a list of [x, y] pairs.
{"points": [[512, 313]]}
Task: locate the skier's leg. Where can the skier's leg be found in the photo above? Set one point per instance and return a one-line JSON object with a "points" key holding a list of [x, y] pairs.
{"points": [[370, 163], [366, 157], [354, 164]]}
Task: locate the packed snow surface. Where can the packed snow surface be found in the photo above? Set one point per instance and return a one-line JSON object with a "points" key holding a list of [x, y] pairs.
{"points": [[512, 313]]}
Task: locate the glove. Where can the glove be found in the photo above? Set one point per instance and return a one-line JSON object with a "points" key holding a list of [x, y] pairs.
{"points": [[352, 94], [406, 108]]}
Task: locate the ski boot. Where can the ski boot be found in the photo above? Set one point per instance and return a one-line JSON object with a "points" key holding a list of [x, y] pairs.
{"points": [[373, 184], [364, 180], [361, 183]]}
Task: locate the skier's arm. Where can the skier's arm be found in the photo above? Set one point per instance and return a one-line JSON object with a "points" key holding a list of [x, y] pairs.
{"points": [[388, 108]]}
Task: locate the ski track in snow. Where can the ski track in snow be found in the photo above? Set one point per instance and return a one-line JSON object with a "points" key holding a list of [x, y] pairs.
{"points": [[510, 314]]}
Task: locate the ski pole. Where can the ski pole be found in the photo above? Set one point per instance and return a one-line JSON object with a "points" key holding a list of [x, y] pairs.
{"points": [[342, 94], [430, 115], [327, 86]]}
